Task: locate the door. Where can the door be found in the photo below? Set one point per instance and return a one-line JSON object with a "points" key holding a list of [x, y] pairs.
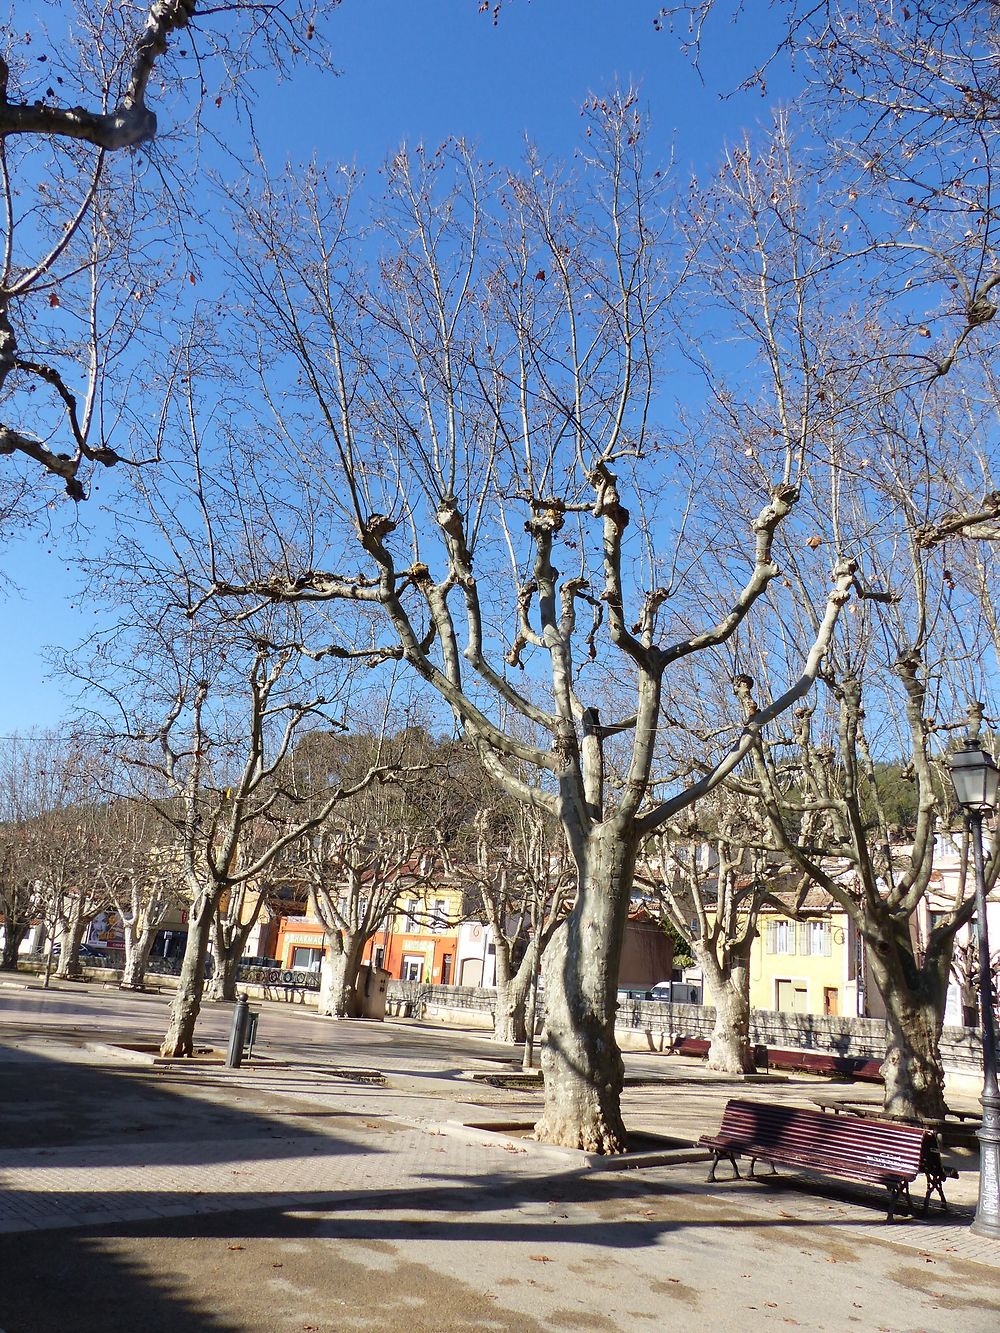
{"points": [[472, 972], [831, 1001]]}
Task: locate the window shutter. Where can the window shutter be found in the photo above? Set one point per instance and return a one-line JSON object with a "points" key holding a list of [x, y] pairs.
{"points": [[769, 937], [803, 931], [827, 941]]}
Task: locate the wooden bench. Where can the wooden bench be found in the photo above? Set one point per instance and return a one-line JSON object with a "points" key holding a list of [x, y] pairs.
{"points": [[873, 1152], [826, 1063], [697, 1046]]}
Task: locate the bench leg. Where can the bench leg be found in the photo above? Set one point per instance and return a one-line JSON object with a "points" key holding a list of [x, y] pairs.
{"points": [[753, 1163], [717, 1158], [899, 1194], [935, 1182]]}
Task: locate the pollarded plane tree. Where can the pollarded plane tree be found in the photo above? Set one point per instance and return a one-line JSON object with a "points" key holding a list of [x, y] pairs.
{"points": [[893, 693], [381, 843], [20, 888], [143, 892], [517, 866], [100, 235], [357, 872], [476, 408], [711, 874], [64, 841], [206, 711]]}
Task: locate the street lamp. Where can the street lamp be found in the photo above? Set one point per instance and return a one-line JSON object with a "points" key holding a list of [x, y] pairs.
{"points": [[977, 779]]}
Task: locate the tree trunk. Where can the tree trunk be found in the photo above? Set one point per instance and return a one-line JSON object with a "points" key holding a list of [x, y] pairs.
{"points": [[13, 936], [531, 1010], [581, 1062], [914, 1003], [728, 988], [509, 1023], [138, 947], [69, 956], [231, 935], [339, 974], [139, 944], [222, 985], [179, 1040]]}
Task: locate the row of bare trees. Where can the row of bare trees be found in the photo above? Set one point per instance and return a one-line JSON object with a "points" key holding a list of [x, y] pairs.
{"points": [[71, 852], [658, 493]]}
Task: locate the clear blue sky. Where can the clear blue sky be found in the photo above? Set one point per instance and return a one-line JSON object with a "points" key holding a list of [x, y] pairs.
{"points": [[423, 71]]}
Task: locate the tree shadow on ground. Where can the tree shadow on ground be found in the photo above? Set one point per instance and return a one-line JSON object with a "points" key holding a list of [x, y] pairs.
{"points": [[191, 1272], [155, 1116]]}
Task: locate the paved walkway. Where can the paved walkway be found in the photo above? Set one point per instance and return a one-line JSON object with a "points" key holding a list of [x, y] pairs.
{"points": [[279, 1199]]}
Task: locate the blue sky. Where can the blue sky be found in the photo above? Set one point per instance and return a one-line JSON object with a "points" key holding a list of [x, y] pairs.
{"points": [[422, 71]]}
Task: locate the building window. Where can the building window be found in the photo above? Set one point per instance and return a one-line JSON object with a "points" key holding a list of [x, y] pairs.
{"points": [[815, 938], [306, 960], [792, 997], [780, 937], [439, 917], [410, 923]]}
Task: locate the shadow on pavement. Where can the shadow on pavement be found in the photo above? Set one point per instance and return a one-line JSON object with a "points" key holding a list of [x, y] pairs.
{"points": [[49, 1103]]}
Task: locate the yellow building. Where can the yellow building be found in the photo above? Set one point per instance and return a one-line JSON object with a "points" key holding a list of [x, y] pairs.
{"points": [[805, 966]]}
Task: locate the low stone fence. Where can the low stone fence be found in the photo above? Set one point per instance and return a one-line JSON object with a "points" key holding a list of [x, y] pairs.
{"points": [[651, 1025], [451, 1006]]}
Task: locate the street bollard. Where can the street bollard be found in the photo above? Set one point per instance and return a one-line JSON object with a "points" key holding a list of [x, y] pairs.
{"points": [[238, 1035]]}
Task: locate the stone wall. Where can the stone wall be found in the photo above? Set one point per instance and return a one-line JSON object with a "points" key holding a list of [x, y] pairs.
{"points": [[651, 1025]]}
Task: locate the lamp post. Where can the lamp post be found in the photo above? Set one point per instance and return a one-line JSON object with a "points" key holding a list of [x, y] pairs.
{"points": [[977, 778]]}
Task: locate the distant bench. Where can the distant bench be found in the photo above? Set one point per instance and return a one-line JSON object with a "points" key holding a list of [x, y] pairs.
{"points": [[872, 1152], [802, 1062], [696, 1046], [830, 1065]]}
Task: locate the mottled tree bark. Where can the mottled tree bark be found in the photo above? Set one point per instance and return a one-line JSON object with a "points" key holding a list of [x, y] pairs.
{"points": [[69, 954], [137, 950], [581, 1062], [339, 974], [728, 987], [179, 1039], [914, 996], [509, 1019], [13, 937]]}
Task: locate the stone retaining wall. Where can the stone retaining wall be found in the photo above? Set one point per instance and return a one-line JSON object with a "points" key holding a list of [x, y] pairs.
{"points": [[652, 1024]]}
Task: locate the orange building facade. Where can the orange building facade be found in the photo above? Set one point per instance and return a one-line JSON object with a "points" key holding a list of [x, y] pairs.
{"points": [[418, 943]]}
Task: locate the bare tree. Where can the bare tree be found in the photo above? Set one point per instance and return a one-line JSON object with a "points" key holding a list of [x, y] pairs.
{"points": [[484, 405], [20, 903], [714, 902], [84, 211], [525, 881], [356, 873], [206, 710], [142, 883]]}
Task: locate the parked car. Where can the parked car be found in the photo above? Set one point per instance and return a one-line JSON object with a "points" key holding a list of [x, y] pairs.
{"points": [[86, 951]]}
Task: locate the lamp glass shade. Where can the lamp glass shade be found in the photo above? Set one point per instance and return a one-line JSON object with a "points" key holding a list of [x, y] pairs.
{"points": [[976, 778]]}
